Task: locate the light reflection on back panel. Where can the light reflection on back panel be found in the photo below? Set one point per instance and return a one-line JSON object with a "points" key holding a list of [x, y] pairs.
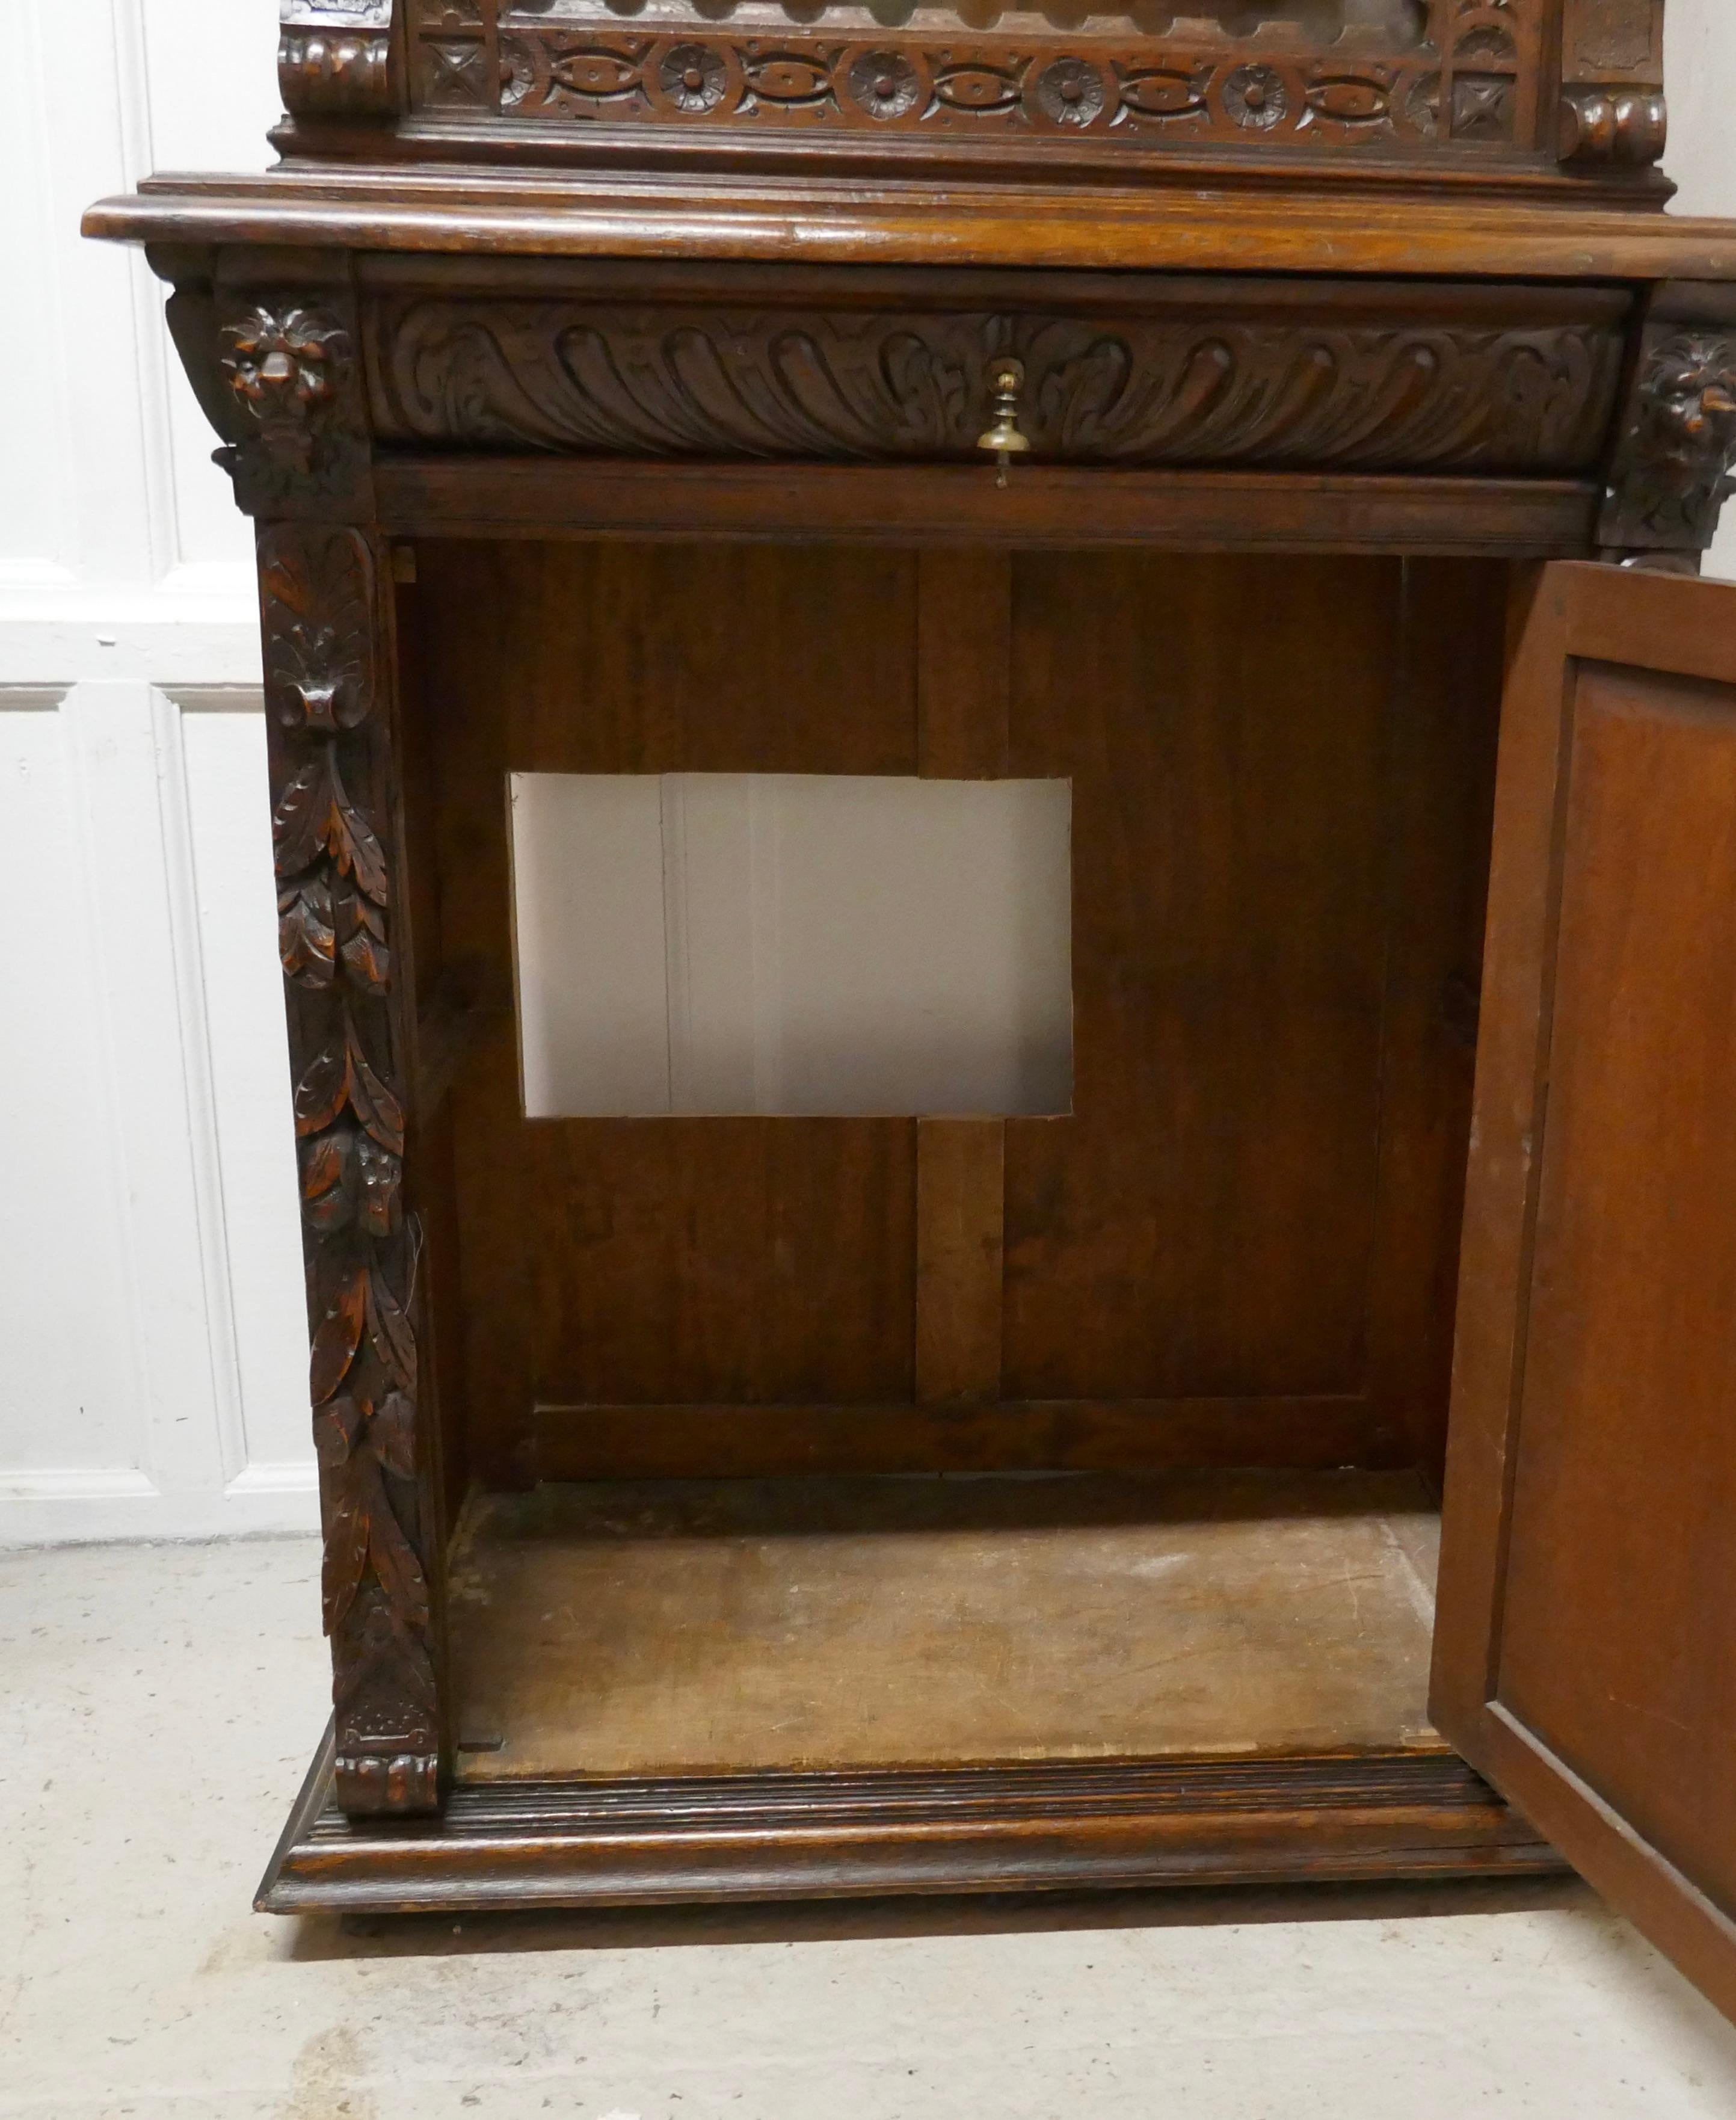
{"points": [[806, 944]]}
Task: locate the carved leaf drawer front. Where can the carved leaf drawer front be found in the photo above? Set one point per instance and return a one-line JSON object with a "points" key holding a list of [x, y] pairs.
{"points": [[1492, 379]]}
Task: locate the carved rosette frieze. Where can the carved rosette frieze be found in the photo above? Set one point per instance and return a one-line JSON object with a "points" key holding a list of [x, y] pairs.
{"points": [[634, 381], [1468, 79], [1672, 467], [292, 405], [334, 60], [332, 808]]}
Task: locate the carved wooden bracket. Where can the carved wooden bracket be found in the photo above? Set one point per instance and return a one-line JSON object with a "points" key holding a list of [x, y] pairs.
{"points": [[1671, 472], [294, 386], [278, 375], [285, 368], [334, 59], [1626, 125], [1612, 110], [330, 777]]}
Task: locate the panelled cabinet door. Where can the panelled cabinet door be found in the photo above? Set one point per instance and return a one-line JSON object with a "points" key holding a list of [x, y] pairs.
{"points": [[1585, 1652]]}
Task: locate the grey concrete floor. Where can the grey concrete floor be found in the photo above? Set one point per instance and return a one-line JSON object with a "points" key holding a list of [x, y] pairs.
{"points": [[157, 1708]]}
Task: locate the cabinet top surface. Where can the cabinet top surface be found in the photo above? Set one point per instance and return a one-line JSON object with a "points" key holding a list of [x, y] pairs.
{"points": [[824, 220]]}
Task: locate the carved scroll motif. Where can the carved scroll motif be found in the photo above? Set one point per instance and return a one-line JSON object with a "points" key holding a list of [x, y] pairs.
{"points": [[1628, 127], [1613, 110], [334, 60], [637, 381], [335, 914]]}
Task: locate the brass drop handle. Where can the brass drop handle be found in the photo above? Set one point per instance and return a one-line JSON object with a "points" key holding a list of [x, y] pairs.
{"points": [[1006, 380]]}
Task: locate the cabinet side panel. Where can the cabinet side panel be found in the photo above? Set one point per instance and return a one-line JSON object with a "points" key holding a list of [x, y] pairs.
{"points": [[1445, 718]]}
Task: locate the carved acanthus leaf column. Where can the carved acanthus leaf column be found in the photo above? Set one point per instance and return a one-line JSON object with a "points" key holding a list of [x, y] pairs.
{"points": [[276, 368], [338, 901]]}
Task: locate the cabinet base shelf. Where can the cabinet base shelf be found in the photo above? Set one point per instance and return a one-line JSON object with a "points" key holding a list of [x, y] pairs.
{"points": [[1072, 1826]]}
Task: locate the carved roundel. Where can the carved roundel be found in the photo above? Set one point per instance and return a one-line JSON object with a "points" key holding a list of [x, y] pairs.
{"points": [[1070, 92], [886, 84], [1489, 46], [1423, 106], [1256, 97], [693, 77], [519, 71]]}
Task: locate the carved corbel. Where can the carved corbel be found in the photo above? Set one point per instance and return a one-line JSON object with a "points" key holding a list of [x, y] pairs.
{"points": [[1612, 111], [286, 364], [334, 60], [1676, 450], [277, 374]]}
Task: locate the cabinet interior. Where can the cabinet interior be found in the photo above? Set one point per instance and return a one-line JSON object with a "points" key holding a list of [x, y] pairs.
{"points": [[812, 1442]]}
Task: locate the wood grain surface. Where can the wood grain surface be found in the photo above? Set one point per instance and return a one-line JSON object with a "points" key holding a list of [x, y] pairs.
{"points": [[901, 220], [1023, 1828], [1585, 1645], [704, 1627], [1251, 1205]]}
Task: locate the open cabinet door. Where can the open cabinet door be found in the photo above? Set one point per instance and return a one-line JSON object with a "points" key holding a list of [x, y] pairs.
{"points": [[1586, 1650]]}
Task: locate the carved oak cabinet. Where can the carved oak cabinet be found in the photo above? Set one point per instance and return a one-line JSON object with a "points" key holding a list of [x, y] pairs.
{"points": [[1295, 425]]}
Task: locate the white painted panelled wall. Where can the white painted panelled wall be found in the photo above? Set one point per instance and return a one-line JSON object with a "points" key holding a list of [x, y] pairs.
{"points": [[152, 1376]]}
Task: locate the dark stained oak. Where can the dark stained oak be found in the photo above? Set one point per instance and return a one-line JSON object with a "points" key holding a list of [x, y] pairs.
{"points": [[608, 397], [899, 220], [986, 1434], [1201, 1224], [1588, 1630], [1423, 85], [964, 647], [1256, 1055], [805, 1836], [960, 1263], [1441, 763], [349, 977], [719, 362], [1042, 505], [652, 1259]]}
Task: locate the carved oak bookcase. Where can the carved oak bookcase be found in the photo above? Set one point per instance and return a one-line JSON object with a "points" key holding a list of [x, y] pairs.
{"points": [[1259, 413]]}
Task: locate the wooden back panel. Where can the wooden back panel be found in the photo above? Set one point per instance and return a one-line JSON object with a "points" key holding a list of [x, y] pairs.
{"points": [[1234, 1249]]}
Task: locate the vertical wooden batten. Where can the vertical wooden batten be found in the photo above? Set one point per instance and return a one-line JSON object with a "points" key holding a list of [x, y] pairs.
{"points": [[964, 627], [965, 621], [961, 1196]]}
